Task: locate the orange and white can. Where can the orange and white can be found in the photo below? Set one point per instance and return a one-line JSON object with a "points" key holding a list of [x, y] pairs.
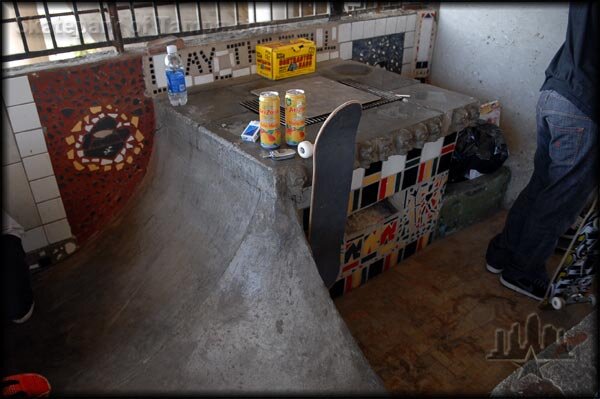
{"points": [[269, 120], [295, 116]]}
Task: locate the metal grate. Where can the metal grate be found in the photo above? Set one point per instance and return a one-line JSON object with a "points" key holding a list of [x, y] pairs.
{"points": [[386, 98]]}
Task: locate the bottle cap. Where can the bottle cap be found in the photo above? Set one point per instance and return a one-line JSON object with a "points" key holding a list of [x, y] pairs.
{"points": [[171, 49]]}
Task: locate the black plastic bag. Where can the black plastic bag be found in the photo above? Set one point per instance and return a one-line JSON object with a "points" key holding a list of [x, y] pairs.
{"points": [[481, 148]]}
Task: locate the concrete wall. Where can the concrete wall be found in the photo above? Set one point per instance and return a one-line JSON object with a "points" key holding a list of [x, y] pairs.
{"points": [[500, 51]]}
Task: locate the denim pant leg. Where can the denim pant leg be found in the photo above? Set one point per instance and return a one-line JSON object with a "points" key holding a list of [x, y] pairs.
{"points": [[570, 173], [500, 249]]}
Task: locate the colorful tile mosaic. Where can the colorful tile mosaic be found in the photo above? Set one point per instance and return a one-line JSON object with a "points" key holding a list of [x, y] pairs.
{"points": [[228, 59], [99, 129], [418, 186], [381, 180], [389, 41], [388, 240]]}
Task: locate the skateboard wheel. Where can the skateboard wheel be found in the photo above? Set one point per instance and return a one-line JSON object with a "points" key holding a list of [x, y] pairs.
{"points": [[557, 303], [305, 149], [592, 299]]}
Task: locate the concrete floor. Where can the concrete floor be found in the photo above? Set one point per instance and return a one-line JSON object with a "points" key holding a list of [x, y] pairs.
{"points": [[427, 325]]}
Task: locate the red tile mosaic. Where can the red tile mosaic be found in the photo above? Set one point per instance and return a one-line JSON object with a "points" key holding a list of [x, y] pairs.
{"points": [[99, 129]]}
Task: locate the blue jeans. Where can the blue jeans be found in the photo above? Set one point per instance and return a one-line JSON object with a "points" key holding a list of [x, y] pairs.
{"points": [[565, 174]]}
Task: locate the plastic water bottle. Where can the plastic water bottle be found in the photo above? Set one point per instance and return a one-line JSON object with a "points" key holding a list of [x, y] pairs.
{"points": [[175, 77]]}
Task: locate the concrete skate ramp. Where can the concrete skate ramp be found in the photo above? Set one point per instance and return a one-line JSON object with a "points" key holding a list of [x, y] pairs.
{"points": [[205, 283]]}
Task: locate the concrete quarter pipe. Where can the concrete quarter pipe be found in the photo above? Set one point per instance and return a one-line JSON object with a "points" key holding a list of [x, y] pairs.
{"points": [[205, 283]]}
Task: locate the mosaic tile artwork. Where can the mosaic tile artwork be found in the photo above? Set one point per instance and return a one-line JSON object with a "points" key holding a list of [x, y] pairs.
{"points": [[395, 35], [419, 181], [230, 59], [382, 180], [99, 128], [426, 30], [382, 245], [384, 51]]}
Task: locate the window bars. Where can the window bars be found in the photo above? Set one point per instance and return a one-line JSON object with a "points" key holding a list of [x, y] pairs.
{"points": [[35, 29]]}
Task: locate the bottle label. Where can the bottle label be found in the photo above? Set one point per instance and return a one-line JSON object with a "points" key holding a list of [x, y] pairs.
{"points": [[175, 81]]}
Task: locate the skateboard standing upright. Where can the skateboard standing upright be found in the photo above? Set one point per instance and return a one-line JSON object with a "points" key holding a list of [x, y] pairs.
{"points": [[333, 163], [573, 278]]}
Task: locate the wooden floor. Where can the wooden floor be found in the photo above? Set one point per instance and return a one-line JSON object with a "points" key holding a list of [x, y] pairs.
{"points": [[427, 325]]}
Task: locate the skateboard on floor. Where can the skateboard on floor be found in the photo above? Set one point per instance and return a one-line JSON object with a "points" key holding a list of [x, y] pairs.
{"points": [[575, 274], [333, 163]]}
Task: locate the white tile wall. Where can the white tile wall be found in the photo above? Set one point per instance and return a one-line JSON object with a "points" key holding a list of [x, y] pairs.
{"points": [[345, 32], [51, 210], [407, 70], [411, 22], [44, 189], [17, 91], [319, 37], [241, 72], [226, 71], [57, 231], [357, 178], [358, 28], [159, 70], [10, 152], [31, 142], [38, 166], [29, 178], [432, 150], [17, 198], [380, 27], [393, 165], [390, 25], [409, 39], [322, 56], [407, 55], [202, 79], [346, 50], [401, 25], [24, 117], [34, 239], [334, 54], [334, 33], [369, 29]]}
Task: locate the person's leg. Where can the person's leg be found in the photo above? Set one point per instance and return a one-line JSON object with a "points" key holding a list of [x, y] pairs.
{"points": [[571, 176], [17, 296], [500, 248]]}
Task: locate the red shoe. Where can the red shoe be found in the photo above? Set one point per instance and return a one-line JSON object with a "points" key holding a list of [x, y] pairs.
{"points": [[28, 385]]}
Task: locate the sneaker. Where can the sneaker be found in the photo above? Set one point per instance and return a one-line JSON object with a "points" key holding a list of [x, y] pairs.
{"points": [[28, 385], [493, 269], [535, 288], [26, 316]]}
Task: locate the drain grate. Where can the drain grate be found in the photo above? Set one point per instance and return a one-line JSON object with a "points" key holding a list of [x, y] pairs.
{"points": [[386, 98]]}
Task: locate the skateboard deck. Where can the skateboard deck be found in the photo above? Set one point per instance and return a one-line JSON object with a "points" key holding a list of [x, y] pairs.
{"points": [[573, 278], [333, 163]]}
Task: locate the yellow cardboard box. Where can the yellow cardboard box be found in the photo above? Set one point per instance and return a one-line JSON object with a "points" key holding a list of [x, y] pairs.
{"points": [[285, 59]]}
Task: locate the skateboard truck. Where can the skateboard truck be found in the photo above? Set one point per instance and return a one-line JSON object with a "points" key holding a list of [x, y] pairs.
{"points": [[278, 155]]}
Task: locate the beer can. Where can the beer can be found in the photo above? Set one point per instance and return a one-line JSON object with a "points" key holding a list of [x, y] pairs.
{"points": [[269, 119], [295, 116]]}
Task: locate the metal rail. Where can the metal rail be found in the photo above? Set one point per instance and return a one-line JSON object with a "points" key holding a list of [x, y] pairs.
{"points": [[120, 14]]}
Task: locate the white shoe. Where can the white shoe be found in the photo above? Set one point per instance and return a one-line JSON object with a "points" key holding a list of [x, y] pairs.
{"points": [[492, 269], [27, 315]]}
